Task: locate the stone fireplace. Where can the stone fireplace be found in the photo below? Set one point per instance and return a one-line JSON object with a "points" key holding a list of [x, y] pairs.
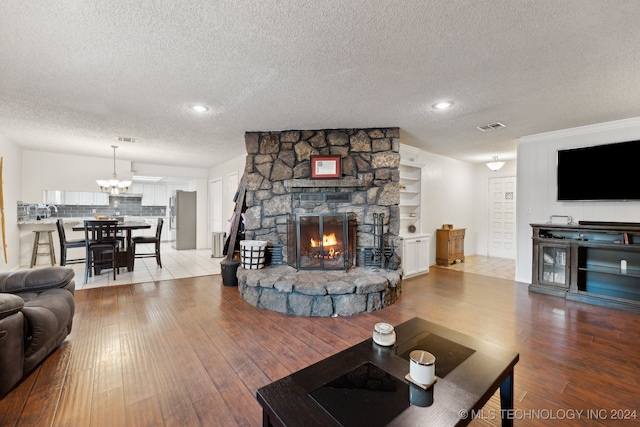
{"points": [[281, 200]]}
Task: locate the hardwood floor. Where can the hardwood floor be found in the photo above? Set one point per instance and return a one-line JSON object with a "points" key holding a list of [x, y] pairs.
{"points": [[190, 352]]}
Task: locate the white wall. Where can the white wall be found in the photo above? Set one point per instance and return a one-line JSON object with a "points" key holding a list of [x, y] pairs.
{"points": [[481, 194], [149, 169], [52, 171], [448, 197], [537, 183], [12, 188]]}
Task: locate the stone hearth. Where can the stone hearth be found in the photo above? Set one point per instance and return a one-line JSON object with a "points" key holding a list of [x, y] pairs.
{"points": [[312, 293]]}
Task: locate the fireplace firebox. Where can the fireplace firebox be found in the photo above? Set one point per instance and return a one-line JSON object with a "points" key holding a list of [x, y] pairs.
{"points": [[321, 241]]}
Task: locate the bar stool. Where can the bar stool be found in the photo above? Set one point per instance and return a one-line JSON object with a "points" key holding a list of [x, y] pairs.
{"points": [[36, 247]]}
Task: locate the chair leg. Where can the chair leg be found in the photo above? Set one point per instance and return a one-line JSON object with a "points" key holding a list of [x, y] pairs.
{"points": [[34, 252], [52, 252], [87, 266], [63, 255], [158, 254]]}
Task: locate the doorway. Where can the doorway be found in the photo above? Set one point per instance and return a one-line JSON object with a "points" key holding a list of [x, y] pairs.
{"points": [[215, 205], [501, 239]]}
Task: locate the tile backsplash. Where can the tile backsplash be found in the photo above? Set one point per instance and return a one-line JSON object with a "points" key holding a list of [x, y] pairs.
{"points": [[120, 206]]}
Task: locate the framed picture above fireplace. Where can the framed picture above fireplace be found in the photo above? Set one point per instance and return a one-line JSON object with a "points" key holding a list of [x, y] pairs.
{"points": [[325, 167]]}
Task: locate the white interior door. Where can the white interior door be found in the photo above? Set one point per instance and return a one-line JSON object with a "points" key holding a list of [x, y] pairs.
{"points": [[215, 205], [502, 217]]}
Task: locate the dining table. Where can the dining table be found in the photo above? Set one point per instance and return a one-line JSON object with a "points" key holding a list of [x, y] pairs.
{"points": [[127, 227]]}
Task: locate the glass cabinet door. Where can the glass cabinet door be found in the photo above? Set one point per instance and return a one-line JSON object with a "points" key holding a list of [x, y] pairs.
{"points": [[554, 268]]}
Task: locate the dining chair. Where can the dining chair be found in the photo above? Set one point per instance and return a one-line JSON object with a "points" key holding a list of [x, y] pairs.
{"points": [[68, 244], [149, 239], [101, 246]]}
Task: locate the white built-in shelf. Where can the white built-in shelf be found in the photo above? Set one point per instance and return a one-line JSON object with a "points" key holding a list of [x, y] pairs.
{"points": [[410, 193], [409, 178]]}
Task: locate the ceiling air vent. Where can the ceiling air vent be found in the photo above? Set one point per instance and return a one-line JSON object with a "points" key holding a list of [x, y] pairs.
{"points": [[491, 126], [126, 139]]}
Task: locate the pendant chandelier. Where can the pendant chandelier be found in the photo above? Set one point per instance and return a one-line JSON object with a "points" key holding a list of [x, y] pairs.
{"points": [[495, 165], [113, 185]]}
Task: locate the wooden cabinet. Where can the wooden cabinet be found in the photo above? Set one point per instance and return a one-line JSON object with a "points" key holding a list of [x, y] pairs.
{"points": [[415, 255], [592, 262], [449, 246]]}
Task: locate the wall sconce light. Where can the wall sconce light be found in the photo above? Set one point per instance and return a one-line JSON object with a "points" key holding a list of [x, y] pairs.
{"points": [[495, 165]]}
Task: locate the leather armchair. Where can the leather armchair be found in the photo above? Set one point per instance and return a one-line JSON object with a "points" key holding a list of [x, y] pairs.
{"points": [[36, 315]]}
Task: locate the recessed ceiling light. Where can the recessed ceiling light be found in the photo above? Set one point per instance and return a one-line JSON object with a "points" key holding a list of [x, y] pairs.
{"points": [[199, 108], [442, 105]]}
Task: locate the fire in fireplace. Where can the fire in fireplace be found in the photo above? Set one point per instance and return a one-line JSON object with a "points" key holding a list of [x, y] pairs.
{"points": [[321, 241]]}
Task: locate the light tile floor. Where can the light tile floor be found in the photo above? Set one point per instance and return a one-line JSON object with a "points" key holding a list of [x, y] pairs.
{"points": [[175, 265], [487, 266]]}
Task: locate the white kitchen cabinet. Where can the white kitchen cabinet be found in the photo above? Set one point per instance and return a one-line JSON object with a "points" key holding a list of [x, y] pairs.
{"points": [[415, 254], [154, 195], [78, 198], [136, 188], [53, 197], [71, 198], [161, 195], [100, 199], [84, 198]]}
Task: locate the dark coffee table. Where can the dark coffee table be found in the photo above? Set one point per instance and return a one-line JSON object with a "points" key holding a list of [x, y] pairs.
{"points": [[365, 384]]}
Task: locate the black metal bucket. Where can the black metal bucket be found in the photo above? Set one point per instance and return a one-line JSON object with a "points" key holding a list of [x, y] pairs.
{"points": [[229, 270]]}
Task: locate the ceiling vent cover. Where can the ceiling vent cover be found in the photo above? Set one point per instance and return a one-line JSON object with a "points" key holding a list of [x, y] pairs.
{"points": [[490, 127], [126, 139]]}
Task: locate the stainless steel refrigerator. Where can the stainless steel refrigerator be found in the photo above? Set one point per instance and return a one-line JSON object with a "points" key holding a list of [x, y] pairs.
{"points": [[182, 219]]}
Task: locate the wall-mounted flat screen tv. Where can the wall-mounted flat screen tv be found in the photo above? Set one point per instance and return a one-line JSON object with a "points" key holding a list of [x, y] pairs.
{"points": [[600, 172]]}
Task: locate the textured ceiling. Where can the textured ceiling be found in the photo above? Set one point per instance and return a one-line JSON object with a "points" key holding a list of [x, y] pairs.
{"points": [[75, 75]]}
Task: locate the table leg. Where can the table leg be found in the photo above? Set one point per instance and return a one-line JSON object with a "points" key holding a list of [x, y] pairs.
{"points": [[266, 422], [506, 400], [130, 253]]}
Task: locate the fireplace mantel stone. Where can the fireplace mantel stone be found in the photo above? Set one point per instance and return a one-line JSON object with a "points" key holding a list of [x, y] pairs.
{"points": [[364, 181]]}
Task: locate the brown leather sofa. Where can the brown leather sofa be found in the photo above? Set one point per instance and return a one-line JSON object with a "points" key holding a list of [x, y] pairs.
{"points": [[36, 313]]}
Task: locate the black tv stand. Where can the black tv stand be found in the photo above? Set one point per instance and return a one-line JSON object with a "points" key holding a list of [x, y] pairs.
{"points": [[595, 262]]}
